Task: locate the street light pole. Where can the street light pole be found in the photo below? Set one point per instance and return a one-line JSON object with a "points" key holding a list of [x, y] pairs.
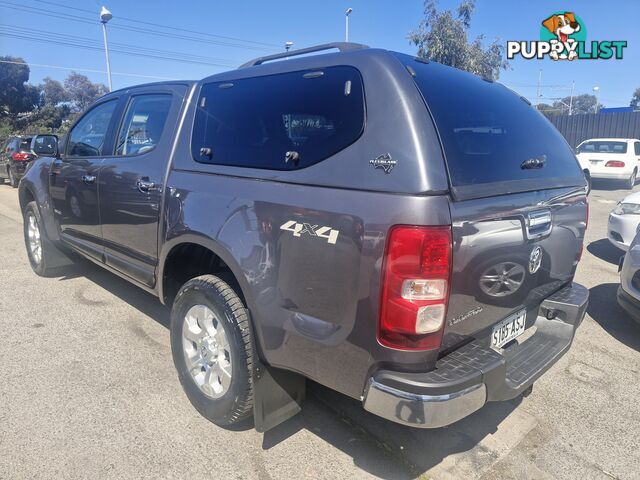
{"points": [[105, 16], [346, 26], [573, 85], [597, 90]]}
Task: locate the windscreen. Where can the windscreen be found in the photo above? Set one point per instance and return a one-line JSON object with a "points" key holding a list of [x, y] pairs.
{"points": [[602, 146], [490, 135]]}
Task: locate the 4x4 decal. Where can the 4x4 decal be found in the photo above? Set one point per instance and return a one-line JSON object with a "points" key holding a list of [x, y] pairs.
{"points": [[328, 233]]}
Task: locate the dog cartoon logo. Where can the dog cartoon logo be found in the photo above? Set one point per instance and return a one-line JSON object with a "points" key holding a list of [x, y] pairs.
{"points": [[563, 36], [563, 25]]}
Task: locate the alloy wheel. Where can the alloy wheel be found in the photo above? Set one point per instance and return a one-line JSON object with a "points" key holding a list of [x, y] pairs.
{"points": [[206, 351], [33, 235]]}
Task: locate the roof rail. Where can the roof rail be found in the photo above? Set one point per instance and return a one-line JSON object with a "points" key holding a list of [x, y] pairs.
{"points": [[342, 46]]}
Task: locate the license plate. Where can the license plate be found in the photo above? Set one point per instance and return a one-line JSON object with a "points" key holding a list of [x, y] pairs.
{"points": [[508, 329], [595, 162]]}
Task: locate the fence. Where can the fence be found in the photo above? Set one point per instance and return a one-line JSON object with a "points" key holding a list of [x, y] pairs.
{"points": [[576, 128]]}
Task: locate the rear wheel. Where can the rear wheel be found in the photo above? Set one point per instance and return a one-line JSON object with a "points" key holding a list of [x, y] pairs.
{"points": [[632, 181], [13, 181], [212, 348]]}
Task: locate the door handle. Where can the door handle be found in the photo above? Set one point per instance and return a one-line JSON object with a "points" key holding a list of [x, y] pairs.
{"points": [[88, 179], [145, 186]]}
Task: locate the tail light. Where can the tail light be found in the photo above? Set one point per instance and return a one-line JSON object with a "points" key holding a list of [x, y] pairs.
{"points": [[416, 281], [21, 157], [614, 163]]}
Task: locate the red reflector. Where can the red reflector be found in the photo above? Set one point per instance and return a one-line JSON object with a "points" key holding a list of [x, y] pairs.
{"points": [[415, 287], [21, 157], [614, 163]]}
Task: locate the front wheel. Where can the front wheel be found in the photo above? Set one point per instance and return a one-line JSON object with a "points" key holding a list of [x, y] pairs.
{"points": [[212, 348]]}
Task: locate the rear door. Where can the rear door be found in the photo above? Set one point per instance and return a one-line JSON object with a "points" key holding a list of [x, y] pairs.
{"points": [[132, 180], [518, 206]]}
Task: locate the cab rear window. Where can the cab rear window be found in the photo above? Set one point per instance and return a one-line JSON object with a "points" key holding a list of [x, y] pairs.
{"points": [[603, 147], [490, 135]]}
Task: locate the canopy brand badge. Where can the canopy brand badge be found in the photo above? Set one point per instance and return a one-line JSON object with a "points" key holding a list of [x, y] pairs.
{"points": [[563, 36]]}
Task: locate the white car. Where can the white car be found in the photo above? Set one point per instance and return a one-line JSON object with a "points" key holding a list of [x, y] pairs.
{"points": [[624, 221], [610, 159]]}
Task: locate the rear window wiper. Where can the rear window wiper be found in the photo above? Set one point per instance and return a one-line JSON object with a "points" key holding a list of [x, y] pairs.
{"points": [[535, 162]]}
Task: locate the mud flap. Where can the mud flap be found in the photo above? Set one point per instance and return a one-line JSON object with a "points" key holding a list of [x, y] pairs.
{"points": [[278, 396]]}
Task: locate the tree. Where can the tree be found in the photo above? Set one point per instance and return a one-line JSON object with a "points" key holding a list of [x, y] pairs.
{"points": [[16, 96], [53, 92], [442, 37], [635, 99], [82, 91]]}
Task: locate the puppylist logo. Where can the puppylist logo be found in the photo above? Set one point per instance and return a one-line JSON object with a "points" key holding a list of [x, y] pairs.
{"points": [[563, 36]]}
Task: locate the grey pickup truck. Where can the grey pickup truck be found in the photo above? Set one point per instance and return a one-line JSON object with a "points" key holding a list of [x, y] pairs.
{"points": [[400, 231]]}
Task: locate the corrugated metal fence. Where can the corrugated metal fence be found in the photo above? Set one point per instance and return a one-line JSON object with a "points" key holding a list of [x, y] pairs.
{"points": [[577, 128]]}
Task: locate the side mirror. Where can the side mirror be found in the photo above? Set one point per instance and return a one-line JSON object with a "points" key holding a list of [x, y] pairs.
{"points": [[46, 145]]}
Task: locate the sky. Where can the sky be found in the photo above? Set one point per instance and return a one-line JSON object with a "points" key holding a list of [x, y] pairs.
{"points": [[240, 30]]}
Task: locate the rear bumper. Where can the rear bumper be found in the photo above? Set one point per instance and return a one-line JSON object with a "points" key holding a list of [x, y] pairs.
{"points": [[19, 168], [466, 379], [630, 304], [610, 176]]}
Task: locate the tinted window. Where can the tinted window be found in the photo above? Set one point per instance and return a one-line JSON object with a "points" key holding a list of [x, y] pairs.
{"points": [[143, 124], [261, 122], [600, 146], [25, 143], [637, 147], [488, 132], [88, 135]]}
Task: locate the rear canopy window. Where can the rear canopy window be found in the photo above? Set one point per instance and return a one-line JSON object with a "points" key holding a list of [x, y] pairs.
{"points": [[25, 143], [279, 122], [489, 133], [599, 146]]}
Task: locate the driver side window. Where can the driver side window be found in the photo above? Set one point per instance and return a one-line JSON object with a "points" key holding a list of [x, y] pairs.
{"points": [[88, 135]]}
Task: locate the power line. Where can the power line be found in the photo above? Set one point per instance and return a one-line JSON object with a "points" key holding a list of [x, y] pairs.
{"points": [[147, 31], [89, 47], [160, 25], [129, 47], [82, 69]]}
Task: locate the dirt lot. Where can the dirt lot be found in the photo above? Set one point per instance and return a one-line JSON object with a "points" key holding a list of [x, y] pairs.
{"points": [[88, 390]]}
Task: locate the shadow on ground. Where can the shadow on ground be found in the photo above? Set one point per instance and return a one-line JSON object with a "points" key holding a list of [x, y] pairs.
{"points": [[604, 309], [400, 452], [608, 185], [605, 251]]}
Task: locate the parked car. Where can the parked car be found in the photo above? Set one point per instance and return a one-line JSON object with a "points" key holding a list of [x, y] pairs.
{"points": [[610, 159], [629, 289], [400, 231], [16, 155], [623, 221]]}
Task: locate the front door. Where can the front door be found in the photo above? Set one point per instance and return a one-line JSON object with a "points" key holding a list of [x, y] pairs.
{"points": [[132, 181], [74, 179]]}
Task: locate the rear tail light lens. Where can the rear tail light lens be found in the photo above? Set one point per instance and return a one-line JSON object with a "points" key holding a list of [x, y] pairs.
{"points": [[415, 287], [614, 163], [21, 157]]}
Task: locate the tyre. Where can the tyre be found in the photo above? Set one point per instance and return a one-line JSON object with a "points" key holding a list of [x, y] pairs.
{"points": [[587, 177], [45, 259], [213, 350], [632, 181], [13, 181]]}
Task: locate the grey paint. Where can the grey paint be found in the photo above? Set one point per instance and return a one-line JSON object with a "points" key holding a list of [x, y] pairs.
{"points": [[314, 305]]}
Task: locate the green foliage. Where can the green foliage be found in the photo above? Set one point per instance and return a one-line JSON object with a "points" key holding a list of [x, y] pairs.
{"points": [[50, 107], [16, 96], [81, 91], [635, 100], [442, 37]]}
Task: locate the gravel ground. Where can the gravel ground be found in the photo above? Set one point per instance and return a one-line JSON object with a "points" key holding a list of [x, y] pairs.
{"points": [[88, 390]]}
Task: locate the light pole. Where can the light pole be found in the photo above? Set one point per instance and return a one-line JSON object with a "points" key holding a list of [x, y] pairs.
{"points": [[346, 26], [597, 90], [288, 45], [105, 16]]}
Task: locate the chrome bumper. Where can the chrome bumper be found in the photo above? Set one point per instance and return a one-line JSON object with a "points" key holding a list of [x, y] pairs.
{"points": [[423, 411]]}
